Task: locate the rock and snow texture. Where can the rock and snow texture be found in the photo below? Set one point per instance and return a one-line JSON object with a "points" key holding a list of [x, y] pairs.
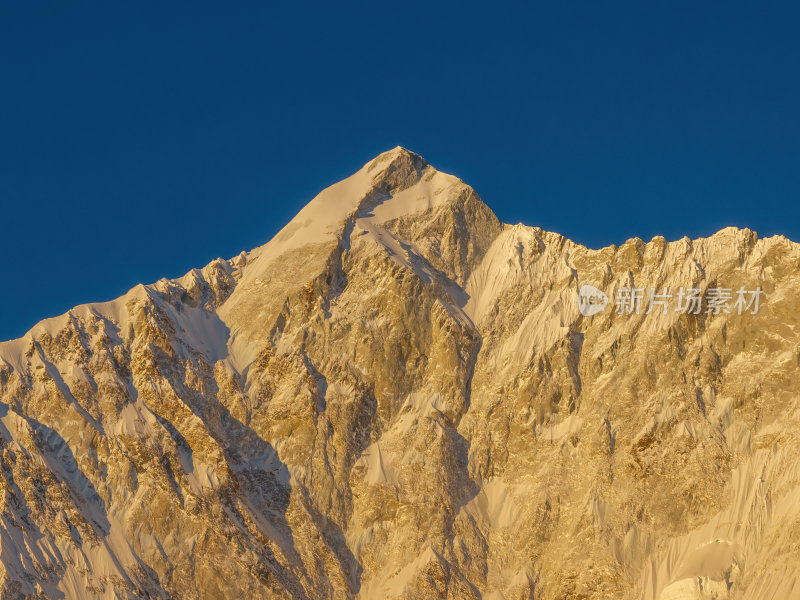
{"points": [[397, 397]]}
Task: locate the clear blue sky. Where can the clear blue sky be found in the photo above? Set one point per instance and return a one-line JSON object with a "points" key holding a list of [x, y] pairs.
{"points": [[142, 140]]}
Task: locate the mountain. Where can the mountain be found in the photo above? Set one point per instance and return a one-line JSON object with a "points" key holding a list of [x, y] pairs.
{"points": [[399, 396]]}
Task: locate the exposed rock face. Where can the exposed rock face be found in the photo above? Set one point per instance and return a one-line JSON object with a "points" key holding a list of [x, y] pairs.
{"points": [[398, 397]]}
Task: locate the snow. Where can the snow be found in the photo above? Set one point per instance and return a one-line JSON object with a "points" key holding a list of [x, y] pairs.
{"points": [[351, 211], [115, 311], [21, 551], [427, 194], [323, 218], [572, 424], [379, 465], [379, 471], [495, 506], [500, 268], [201, 331], [716, 549], [391, 582]]}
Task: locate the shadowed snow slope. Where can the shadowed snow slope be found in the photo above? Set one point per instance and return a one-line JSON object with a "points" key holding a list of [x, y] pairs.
{"points": [[398, 397]]}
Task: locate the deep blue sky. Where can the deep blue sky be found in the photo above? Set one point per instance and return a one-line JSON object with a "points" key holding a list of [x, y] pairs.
{"points": [[141, 141]]}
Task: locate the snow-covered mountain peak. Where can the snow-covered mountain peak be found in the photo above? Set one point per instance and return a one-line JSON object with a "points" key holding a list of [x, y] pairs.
{"points": [[397, 203], [397, 183], [324, 217], [399, 397], [394, 160]]}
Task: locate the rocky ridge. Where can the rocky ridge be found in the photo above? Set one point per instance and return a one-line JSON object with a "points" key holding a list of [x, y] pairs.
{"points": [[398, 397]]}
